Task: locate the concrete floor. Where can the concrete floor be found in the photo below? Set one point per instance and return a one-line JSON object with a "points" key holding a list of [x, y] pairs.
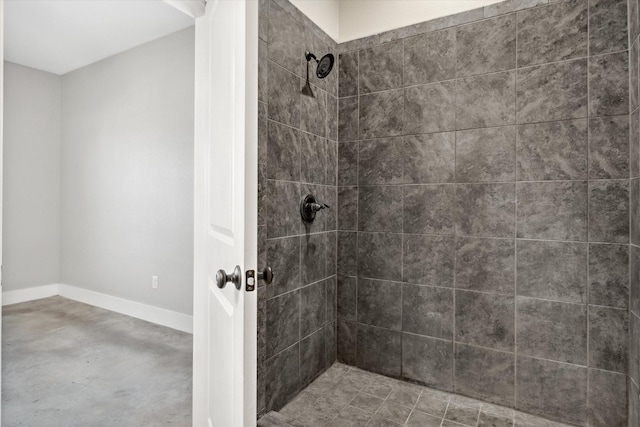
{"points": [[66, 363]]}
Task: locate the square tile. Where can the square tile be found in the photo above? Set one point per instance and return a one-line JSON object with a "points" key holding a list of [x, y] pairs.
{"points": [[609, 84], [486, 155], [555, 390], [380, 162], [283, 255], [348, 208], [609, 275], [348, 74], [607, 398], [380, 67], [461, 414], [555, 91], [346, 344], [609, 147], [313, 155], [609, 211], [347, 253], [348, 119], [283, 377], [420, 419], [430, 108], [381, 114], [552, 150], [552, 330], [379, 350], [283, 199], [312, 357], [608, 335], [427, 208], [312, 308], [607, 26], [485, 374], [486, 46], [283, 322], [430, 57], [429, 158], [552, 270], [434, 404], [485, 101], [380, 303], [395, 413], [552, 210], [484, 319], [313, 262], [348, 163], [380, 255], [284, 96], [366, 402], [380, 208], [285, 38], [428, 260], [552, 33], [347, 291], [485, 210], [428, 311], [313, 111], [485, 265]]}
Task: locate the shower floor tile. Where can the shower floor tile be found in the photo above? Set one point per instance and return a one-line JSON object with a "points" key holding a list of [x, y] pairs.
{"points": [[345, 396]]}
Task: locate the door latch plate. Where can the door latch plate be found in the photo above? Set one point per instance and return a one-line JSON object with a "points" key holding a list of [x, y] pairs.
{"points": [[251, 280]]}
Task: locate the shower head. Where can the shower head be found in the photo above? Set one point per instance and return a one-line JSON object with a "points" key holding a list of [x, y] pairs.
{"points": [[325, 64]]}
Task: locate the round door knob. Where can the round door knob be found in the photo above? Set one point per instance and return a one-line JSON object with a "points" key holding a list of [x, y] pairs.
{"points": [[222, 278], [266, 275]]}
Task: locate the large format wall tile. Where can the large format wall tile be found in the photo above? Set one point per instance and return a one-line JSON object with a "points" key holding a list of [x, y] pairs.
{"points": [[552, 92], [283, 255], [485, 374], [379, 350], [380, 303], [380, 255], [607, 26], [609, 275], [348, 208], [609, 211], [485, 210], [429, 158], [381, 114], [285, 39], [348, 71], [485, 320], [381, 67], [348, 163], [608, 335], [552, 270], [283, 200], [313, 111], [552, 210], [346, 345], [380, 208], [553, 33], [282, 323], [312, 308], [607, 398], [430, 57], [634, 280], [634, 211], [634, 73], [486, 265], [427, 209], [347, 253], [486, 154], [284, 96], [348, 120], [427, 360], [486, 46], [380, 161], [552, 330], [486, 100], [634, 144], [346, 303], [609, 84], [609, 147], [312, 356], [427, 310], [430, 108], [283, 148], [552, 150], [552, 389], [428, 260], [283, 377], [313, 155]]}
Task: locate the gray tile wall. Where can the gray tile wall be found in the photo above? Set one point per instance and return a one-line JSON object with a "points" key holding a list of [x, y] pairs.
{"points": [[297, 155], [634, 202], [483, 206]]}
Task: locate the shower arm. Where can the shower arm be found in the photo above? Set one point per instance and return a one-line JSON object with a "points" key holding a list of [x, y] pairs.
{"points": [[311, 56]]}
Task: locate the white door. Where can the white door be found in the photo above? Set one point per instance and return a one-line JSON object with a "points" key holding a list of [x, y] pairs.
{"points": [[224, 363]]}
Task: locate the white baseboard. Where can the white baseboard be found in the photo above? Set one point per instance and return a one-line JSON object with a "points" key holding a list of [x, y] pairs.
{"points": [[29, 294], [160, 316]]}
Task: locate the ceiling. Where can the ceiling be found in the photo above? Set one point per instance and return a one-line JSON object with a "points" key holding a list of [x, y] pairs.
{"points": [[59, 36]]}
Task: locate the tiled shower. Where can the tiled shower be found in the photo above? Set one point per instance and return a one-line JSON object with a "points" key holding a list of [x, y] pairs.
{"points": [[481, 179]]}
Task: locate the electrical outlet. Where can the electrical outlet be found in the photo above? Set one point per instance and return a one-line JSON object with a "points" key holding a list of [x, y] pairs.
{"points": [[154, 282]]}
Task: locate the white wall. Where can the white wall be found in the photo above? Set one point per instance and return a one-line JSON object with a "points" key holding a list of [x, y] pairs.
{"points": [[127, 174], [31, 205], [361, 18], [325, 14]]}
